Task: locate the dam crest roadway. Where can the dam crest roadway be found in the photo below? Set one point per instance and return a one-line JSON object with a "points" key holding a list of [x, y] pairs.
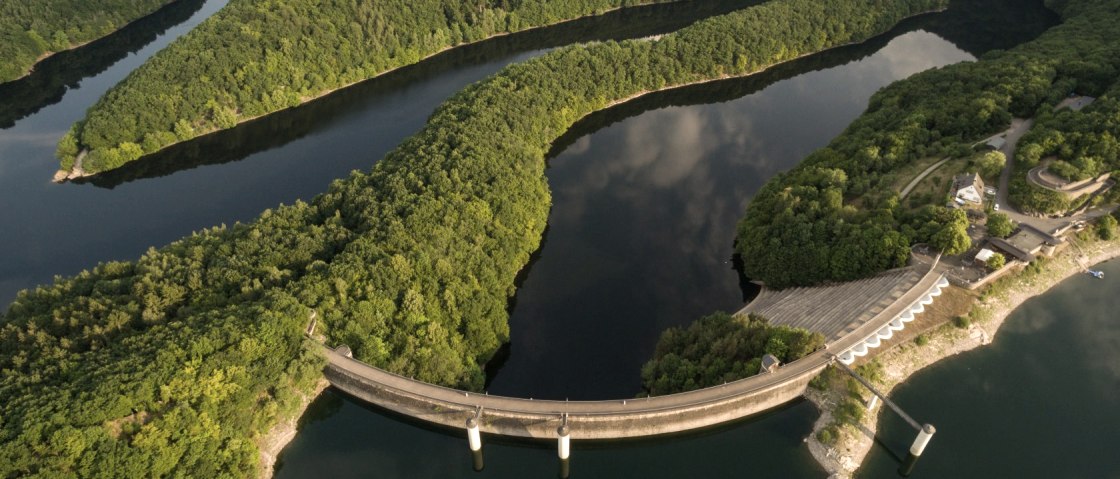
{"points": [[856, 317]]}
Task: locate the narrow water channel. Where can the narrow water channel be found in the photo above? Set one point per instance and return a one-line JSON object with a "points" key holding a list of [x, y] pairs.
{"points": [[645, 209], [646, 199], [234, 175]]}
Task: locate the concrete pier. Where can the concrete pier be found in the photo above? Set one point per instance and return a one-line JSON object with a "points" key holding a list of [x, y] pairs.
{"points": [[563, 442], [920, 442], [474, 436]]}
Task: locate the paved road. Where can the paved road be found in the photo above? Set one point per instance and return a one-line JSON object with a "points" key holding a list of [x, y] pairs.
{"points": [[1019, 127], [914, 182]]}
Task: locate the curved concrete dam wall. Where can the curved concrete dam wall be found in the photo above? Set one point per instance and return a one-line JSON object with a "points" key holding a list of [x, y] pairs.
{"points": [[627, 418], [613, 419]]}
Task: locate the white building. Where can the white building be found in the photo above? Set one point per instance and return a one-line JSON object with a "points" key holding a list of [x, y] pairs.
{"points": [[969, 188]]}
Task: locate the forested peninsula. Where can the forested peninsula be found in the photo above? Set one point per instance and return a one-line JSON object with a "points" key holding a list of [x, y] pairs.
{"points": [[835, 216], [176, 363], [720, 348], [256, 57], [30, 31]]}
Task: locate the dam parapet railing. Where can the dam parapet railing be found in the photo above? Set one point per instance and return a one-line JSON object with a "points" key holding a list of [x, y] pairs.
{"points": [[620, 418]]}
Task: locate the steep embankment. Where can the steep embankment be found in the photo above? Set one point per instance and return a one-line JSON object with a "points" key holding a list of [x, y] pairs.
{"points": [[175, 363], [835, 217], [32, 31], [256, 57]]}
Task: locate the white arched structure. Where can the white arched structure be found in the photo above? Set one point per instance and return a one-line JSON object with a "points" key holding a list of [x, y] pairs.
{"points": [[897, 324]]}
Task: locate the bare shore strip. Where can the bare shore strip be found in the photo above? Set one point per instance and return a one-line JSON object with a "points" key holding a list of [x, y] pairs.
{"points": [[845, 457], [283, 432]]}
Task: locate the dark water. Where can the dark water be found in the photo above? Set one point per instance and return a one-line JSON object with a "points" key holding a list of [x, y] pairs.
{"points": [[340, 439], [646, 196], [1043, 400], [234, 175], [644, 212], [646, 199]]}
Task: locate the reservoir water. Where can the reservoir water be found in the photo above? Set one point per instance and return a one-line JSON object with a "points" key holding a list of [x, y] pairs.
{"points": [[1043, 400], [646, 197]]}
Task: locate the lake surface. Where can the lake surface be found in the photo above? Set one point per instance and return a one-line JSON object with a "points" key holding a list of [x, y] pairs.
{"points": [[1043, 400], [645, 210], [234, 175], [646, 198]]}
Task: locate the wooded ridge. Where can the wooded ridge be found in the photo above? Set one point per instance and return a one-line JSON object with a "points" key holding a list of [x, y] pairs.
{"points": [[31, 30], [835, 216], [256, 57], [175, 363]]}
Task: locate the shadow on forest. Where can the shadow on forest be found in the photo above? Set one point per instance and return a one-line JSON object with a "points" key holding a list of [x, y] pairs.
{"points": [[280, 128], [51, 78], [976, 26]]}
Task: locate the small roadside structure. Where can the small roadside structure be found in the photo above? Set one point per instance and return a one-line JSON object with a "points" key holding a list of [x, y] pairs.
{"points": [[995, 143], [1075, 102], [984, 255], [769, 364], [968, 188], [1028, 243]]}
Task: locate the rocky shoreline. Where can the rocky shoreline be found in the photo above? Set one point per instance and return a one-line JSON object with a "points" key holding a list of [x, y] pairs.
{"points": [[282, 433], [843, 458]]}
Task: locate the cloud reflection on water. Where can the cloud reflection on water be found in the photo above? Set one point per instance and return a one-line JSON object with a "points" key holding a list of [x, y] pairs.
{"points": [[644, 216]]}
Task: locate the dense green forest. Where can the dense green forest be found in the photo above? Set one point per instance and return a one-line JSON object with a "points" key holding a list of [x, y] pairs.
{"points": [[411, 264], [835, 217], [52, 77], [721, 348], [256, 57], [1082, 144], [29, 30]]}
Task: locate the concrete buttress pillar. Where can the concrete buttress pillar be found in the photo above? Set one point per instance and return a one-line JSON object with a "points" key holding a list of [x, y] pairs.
{"points": [[474, 437], [922, 440], [564, 442]]}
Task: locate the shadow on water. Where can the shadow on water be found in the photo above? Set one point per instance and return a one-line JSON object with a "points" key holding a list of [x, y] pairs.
{"points": [[285, 126], [976, 26], [48, 82], [1003, 24], [332, 401], [980, 26]]}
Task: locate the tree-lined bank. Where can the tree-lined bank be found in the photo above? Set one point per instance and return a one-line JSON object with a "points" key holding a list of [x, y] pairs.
{"points": [[411, 264], [836, 218], [255, 57], [30, 31]]}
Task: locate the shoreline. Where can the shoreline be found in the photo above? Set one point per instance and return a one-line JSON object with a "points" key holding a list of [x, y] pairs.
{"points": [[45, 55], [844, 458], [272, 443], [72, 174]]}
